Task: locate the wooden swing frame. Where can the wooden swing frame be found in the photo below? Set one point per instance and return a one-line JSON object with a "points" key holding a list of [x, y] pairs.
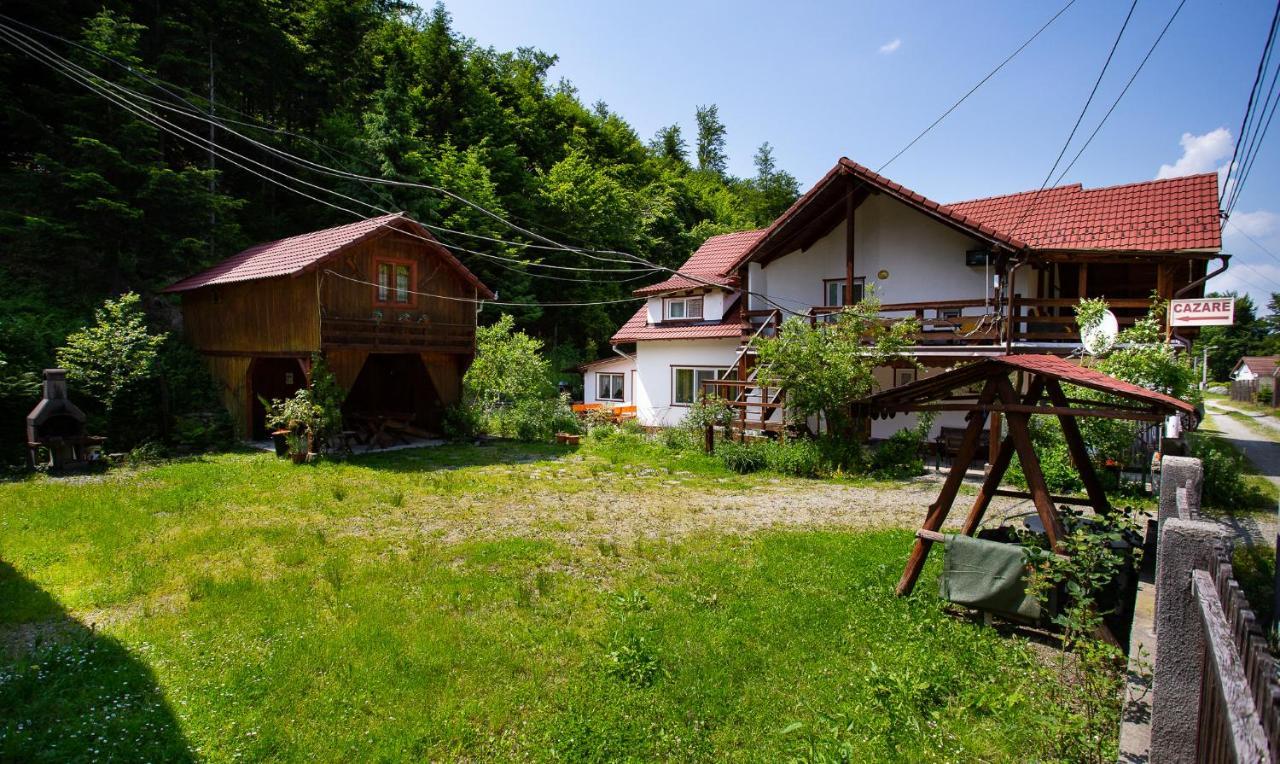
{"points": [[1043, 377]]}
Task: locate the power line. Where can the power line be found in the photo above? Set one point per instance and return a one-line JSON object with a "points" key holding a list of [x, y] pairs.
{"points": [[1035, 199], [1123, 91], [479, 301], [974, 89], [1253, 94], [1256, 243], [87, 79]]}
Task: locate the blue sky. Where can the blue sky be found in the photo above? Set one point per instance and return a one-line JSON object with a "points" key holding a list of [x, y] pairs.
{"points": [[820, 80]]}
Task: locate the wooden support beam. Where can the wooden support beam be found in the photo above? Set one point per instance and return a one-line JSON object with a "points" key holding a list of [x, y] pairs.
{"points": [[1020, 432], [1079, 452], [1001, 457], [939, 509], [850, 208], [1020, 408], [1074, 500]]}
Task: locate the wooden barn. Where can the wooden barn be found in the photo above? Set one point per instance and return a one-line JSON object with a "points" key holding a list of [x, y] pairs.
{"points": [[391, 309]]}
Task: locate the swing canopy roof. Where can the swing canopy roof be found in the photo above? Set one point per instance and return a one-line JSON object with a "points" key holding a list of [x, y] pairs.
{"points": [[954, 385]]}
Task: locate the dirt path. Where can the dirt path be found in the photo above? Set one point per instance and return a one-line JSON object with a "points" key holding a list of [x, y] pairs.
{"points": [[1260, 449]]}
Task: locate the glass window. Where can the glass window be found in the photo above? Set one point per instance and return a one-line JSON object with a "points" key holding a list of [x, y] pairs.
{"points": [[835, 293], [675, 308], [609, 387], [687, 383], [684, 307], [384, 281], [402, 283]]}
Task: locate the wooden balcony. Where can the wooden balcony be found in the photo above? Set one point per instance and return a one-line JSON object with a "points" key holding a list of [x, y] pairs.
{"points": [[396, 336], [971, 322]]}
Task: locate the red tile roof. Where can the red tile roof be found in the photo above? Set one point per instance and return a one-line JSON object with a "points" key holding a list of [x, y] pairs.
{"points": [[1062, 369], [298, 254], [1154, 216], [712, 262], [638, 328], [1261, 365]]}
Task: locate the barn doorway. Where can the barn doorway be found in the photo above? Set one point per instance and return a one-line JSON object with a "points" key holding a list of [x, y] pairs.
{"points": [[396, 386], [272, 379]]}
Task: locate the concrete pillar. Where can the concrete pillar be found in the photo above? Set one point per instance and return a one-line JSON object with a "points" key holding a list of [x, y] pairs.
{"points": [[1175, 471], [1185, 545]]}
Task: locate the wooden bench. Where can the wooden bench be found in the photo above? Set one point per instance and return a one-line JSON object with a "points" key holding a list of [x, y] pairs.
{"points": [[948, 444], [582, 409], [623, 413]]}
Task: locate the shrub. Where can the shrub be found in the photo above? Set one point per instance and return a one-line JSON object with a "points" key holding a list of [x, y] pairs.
{"points": [[1255, 568], [898, 457], [1224, 470], [534, 419], [744, 458], [801, 458], [1264, 395], [461, 422], [681, 439], [1060, 475]]}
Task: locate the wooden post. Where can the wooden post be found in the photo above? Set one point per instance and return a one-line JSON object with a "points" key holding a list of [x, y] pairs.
{"points": [[1079, 452], [709, 439], [850, 208], [1000, 460], [939, 509], [1020, 433], [1082, 282], [993, 439]]}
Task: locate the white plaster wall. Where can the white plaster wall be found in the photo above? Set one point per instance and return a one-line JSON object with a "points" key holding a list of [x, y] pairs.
{"points": [[883, 428], [1244, 374], [713, 303], [924, 258], [654, 360], [624, 366]]}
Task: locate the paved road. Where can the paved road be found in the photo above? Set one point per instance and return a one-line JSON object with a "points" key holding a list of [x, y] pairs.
{"points": [[1262, 450]]}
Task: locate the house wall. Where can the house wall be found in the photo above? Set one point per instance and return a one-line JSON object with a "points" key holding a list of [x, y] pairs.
{"points": [[624, 366], [713, 304], [276, 315], [883, 428], [924, 258], [654, 361], [342, 298]]}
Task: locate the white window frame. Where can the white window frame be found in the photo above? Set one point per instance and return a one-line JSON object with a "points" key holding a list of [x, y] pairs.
{"points": [[621, 382], [859, 291], [684, 303], [700, 374]]}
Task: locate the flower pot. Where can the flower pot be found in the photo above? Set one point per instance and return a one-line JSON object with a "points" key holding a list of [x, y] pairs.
{"points": [[281, 440]]}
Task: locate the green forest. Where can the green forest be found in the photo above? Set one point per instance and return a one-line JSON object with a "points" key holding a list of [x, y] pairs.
{"points": [[99, 201]]}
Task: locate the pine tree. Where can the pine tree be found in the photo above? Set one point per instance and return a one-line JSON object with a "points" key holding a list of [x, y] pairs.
{"points": [[669, 143]]}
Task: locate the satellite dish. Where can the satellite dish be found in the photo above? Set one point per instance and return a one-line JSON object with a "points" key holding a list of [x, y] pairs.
{"points": [[1099, 338]]}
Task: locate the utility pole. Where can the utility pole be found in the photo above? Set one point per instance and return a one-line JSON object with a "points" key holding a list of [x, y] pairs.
{"points": [[1204, 368]]}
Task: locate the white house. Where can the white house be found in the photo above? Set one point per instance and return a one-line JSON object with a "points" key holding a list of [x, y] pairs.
{"points": [[1261, 368], [985, 277]]}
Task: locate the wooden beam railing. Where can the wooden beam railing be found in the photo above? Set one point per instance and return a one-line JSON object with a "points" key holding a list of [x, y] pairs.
{"points": [[406, 336]]}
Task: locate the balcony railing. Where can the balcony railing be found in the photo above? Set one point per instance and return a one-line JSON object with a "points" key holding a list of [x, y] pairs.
{"points": [[397, 336], [974, 321]]}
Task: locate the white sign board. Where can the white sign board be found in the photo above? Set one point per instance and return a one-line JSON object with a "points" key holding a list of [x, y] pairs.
{"points": [[1204, 311]]}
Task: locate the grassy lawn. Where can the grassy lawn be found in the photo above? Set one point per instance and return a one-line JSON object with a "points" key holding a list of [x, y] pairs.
{"points": [[479, 603]]}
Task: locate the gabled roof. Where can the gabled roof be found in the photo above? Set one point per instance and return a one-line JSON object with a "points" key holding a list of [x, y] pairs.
{"points": [[712, 262], [303, 253], [1154, 216], [1261, 365], [938, 387], [638, 328], [847, 176]]}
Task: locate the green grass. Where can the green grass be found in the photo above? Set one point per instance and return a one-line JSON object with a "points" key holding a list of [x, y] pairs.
{"points": [[243, 608]]}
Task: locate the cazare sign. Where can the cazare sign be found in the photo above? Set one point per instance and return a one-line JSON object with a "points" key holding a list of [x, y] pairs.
{"points": [[1204, 311]]}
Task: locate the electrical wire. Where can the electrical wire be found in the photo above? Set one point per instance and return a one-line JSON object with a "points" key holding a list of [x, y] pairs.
{"points": [[1253, 94], [88, 79], [974, 89], [479, 301], [1035, 198], [1123, 91]]}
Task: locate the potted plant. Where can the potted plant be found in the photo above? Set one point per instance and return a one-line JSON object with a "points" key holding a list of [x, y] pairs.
{"points": [[297, 420]]}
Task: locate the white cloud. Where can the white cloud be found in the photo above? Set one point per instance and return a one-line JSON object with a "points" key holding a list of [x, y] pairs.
{"points": [[1201, 153], [1258, 224], [891, 46]]}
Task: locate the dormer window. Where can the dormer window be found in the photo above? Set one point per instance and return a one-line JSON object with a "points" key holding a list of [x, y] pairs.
{"points": [[684, 308], [394, 279]]}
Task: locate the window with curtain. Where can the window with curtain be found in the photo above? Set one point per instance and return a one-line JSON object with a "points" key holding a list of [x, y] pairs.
{"points": [[609, 387], [394, 282]]}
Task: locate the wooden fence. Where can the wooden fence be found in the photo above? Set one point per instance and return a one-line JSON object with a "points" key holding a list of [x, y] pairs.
{"points": [[1238, 719], [1244, 390]]}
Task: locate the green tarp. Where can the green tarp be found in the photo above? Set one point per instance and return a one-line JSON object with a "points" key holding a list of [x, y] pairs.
{"points": [[987, 575]]}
